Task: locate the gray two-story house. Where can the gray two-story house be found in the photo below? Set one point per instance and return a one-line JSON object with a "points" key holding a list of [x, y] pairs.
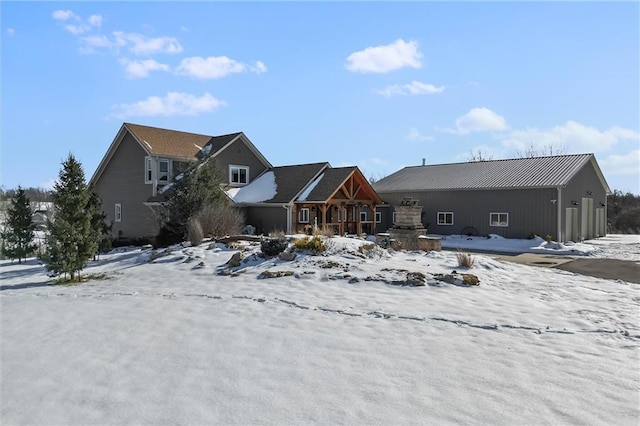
{"points": [[141, 160]]}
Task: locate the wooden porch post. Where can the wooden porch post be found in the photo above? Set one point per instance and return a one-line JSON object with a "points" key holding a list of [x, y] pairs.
{"points": [[324, 216]]}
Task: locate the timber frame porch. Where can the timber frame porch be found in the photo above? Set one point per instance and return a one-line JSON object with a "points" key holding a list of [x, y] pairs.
{"points": [[337, 202]]}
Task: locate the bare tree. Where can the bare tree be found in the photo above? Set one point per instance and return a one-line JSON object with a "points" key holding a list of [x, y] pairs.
{"points": [[541, 150], [479, 155]]}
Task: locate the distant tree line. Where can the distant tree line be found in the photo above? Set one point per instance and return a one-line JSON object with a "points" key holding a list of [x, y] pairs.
{"points": [[33, 194], [623, 212]]}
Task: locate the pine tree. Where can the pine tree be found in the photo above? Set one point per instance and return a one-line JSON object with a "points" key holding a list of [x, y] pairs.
{"points": [[200, 188], [71, 241], [19, 228], [99, 227]]}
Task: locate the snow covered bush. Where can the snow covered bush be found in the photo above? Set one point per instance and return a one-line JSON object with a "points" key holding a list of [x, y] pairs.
{"points": [[273, 246]]}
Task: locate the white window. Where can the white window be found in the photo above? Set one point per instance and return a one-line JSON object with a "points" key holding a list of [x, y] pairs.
{"points": [[363, 216], [499, 219], [163, 171], [148, 170], [238, 175], [394, 218], [378, 217], [445, 218], [304, 215], [118, 213]]}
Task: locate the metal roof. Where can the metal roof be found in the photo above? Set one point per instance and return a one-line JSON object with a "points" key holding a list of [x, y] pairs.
{"points": [[536, 172]]}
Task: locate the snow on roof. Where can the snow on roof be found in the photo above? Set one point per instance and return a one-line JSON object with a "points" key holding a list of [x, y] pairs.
{"points": [[307, 191], [262, 189]]}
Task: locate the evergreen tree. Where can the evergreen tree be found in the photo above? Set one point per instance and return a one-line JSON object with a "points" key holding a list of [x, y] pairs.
{"points": [[198, 189], [99, 228], [19, 229], [71, 241]]}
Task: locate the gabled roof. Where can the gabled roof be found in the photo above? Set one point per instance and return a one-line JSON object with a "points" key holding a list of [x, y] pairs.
{"points": [[536, 172], [160, 142], [169, 143], [289, 182], [331, 181]]}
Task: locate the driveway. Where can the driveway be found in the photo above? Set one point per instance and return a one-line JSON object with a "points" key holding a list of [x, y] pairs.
{"points": [[610, 269]]}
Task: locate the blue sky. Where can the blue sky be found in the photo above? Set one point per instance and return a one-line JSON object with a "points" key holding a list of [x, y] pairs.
{"points": [[377, 85]]}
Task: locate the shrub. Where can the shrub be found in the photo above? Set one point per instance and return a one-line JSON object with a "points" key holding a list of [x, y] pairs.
{"points": [[465, 260], [327, 231], [220, 220], [314, 244], [277, 233], [548, 238], [273, 246], [194, 232]]}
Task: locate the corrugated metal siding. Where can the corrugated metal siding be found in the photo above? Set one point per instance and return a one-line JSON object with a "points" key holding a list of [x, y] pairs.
{"points": [[584, 182], [123, 182], [530, 211], [504, 174]]}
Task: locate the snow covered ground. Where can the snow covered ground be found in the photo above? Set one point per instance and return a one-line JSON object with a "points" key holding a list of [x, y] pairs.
{"points": [[340, 341]]}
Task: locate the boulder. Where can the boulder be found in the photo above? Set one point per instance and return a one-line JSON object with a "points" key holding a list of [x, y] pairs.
{"points": [[286, 256], [235, 260], [274, 274]]}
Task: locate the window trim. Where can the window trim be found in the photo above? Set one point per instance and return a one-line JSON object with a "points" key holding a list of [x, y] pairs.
{"points": [[363, 215], [300, 215], [444, 222], [148, 169], [378, 217], [498, 223], [117, 214], [393, 218], [236, 166], [162, 174]]}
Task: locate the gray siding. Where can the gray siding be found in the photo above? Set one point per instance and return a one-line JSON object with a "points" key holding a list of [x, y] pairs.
{"points": [[123, 182], [239, 155], [585, 185], [266, 219], [530, 210]]}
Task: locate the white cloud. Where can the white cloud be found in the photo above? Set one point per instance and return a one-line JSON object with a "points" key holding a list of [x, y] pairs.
{"points": [[415, 135], [478, 120], [174, 103], [413, 88], [11, 32], [77, 29], [215, 67], [95, 20], [573, 136], [628, 164], [79, 26], [141, 69], [382, 59], [63, 15], [143, 45], [259, 67]]}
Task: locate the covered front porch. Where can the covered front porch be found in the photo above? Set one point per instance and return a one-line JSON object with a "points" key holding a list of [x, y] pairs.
{"points": [[347, 206]]}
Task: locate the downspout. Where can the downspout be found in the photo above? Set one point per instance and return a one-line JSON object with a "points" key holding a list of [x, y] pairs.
{"points": [[560, 234], [288, 208]]}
